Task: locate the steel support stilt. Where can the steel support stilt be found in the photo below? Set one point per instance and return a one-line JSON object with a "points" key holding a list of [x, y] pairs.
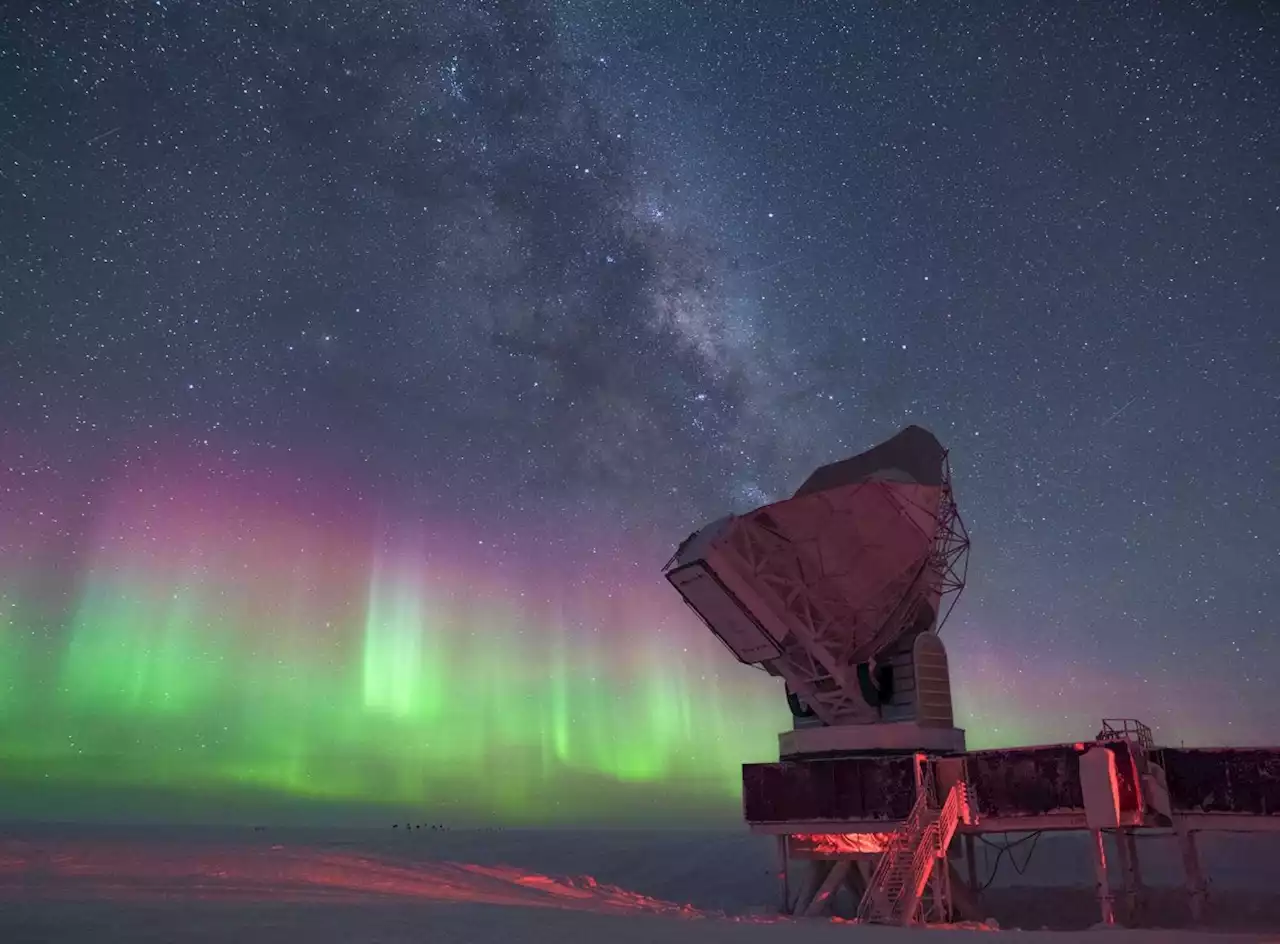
{"points": [[1106, 904], [821, 903], [1197, 888], [1133, 893], [784, 872]]}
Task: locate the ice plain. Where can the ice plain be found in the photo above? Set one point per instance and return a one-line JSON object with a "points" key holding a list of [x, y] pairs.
{"points": [[68, 884]]}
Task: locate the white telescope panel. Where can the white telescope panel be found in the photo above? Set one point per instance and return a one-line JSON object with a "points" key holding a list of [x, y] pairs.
{"points": [[724, 613], [1100, 785]]}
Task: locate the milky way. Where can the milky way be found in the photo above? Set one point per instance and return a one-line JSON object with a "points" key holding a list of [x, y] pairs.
{"points": [[360, 365]]}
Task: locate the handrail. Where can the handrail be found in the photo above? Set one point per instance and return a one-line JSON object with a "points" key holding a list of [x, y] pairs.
{"points": [[921, 862], [889, 856], [932, 844], [951, 814], [1126, 729]]}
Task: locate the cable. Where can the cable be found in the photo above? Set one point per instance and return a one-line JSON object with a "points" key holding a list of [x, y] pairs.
{"points": [[1033, 838], [1008, 847]]}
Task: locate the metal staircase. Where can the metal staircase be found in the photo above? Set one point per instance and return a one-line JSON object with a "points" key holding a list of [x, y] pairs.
{"points": [[898, 883]]}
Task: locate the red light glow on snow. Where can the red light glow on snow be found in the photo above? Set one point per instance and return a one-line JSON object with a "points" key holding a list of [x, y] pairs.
{"points": [[136, 870]]}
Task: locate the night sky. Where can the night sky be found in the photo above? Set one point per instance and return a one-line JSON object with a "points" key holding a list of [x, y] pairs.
{"points": [[362, 363]]}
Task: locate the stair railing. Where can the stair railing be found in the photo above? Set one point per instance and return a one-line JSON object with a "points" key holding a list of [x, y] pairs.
{"points": [[891, 857], [952, 812], [933, 846], [893, 895], [926, 852]]}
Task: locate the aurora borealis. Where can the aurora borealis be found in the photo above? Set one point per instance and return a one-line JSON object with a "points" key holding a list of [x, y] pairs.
{"points": [[214, 639], [362, 363]]}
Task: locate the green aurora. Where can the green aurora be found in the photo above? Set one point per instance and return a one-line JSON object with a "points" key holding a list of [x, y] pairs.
{"points": [[220, 650], [335, 674]]}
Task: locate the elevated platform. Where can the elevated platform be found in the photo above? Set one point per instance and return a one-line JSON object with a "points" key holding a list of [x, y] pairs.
{"points": [[1020, 788], [854, 808]]}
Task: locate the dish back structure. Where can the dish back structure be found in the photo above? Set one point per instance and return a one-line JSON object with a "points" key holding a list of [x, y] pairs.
{"points": [[840, 590]]}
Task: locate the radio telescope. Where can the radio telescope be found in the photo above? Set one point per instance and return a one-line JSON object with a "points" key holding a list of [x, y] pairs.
{"points": [[840, 590]]}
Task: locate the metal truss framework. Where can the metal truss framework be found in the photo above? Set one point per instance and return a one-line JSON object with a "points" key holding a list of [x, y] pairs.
{"points": [[830, 634]]}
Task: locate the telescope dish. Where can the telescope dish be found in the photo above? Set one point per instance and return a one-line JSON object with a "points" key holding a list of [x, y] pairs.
{"points": [[832, 586]]}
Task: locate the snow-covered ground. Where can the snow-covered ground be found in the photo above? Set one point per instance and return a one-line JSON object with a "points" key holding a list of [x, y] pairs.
{"points": [[75, 885]]}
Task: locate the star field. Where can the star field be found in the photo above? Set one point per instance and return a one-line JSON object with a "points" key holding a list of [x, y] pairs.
{"points": [[328, 331]]}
